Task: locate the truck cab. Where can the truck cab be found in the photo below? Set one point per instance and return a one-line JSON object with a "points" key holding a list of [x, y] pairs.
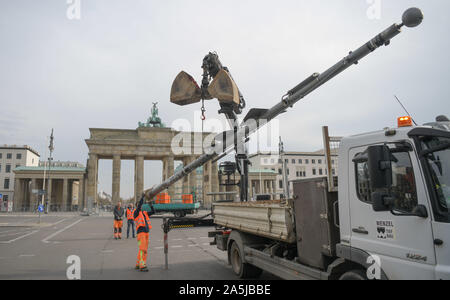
{"points": [[394, 200]]}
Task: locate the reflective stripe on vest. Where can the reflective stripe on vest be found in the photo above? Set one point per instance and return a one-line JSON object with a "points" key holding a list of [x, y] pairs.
{"points": [[130, 214], [140, 221]]}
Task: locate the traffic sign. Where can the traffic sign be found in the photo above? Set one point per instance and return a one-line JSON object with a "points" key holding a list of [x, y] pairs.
{"points": [[1, 197], [41, 208]]}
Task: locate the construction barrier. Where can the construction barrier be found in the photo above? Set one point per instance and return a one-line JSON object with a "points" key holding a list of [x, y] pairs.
{"points": [[162, 198], [188, 199]]}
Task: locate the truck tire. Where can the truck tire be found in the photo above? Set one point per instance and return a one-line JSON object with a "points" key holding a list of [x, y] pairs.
{"points": [[354, 275], [178, 214], [241, 269]]}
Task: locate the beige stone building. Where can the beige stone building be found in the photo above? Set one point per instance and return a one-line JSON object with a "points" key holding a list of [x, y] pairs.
{"points": [[64, 186], [12, 157], [299, 165]]}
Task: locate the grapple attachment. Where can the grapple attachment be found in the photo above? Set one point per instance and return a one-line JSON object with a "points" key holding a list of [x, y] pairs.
{"points": [[224, 88], [185, 90]]}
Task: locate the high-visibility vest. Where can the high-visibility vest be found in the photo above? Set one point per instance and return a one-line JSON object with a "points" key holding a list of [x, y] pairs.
{"points": [[140, 221], [130, 214]]}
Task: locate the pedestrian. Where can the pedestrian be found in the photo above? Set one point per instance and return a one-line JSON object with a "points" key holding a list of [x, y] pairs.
{"points": [[143, 227], [118, 222], [130, 220]]}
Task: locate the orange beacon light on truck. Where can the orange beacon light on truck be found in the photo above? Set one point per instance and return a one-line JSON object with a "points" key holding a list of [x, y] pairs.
{"points": [[405, 121]]}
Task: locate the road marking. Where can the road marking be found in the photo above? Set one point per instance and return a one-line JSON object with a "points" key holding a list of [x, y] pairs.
{"points": [[18, 238], [176, 247], [27, 255], [107, 251], [205, 244], [59, 231], [177, 239], [192, 238], [60, 221]]}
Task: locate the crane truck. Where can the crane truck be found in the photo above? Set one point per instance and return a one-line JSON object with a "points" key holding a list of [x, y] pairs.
{"points": [[387, 217]]}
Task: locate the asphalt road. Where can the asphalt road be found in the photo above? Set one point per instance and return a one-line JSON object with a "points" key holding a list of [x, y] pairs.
{"points": [[33, 250]]}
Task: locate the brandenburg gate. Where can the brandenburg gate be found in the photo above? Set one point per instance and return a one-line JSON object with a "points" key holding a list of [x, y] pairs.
{"points": [[144, 143]]}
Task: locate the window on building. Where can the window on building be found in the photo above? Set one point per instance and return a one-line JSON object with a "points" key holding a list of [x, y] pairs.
{"points": [[8, 155], [5, 198], [313, 161], [314, 171], [293, 161], [306, 161], [300, 161], [320, 161], [19, 156], [286, 161], [280, 161], [8, 169], [304, 174], [272, 161], [332, 161], [265, 161], [0, 168], [1, 154], [320, 172], [288, 171], [280, 184], [280, 171], [403, 183], [334, 171], [6, 184]]}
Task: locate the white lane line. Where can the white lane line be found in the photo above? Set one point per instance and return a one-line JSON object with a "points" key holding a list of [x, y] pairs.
{"points": [[60, 221], [107, 251], [177, 239], [27, 255], [19, 238], [59, 231], [205, 244], [176, 246]]}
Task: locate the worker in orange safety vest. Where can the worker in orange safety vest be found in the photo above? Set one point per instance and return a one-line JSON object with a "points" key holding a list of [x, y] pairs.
{"points": [[130, 220], [118, 222], [143, 226]]}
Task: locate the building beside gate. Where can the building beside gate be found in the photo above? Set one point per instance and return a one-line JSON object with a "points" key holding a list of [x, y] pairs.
{"points": [[12, 157], [64, 186]]}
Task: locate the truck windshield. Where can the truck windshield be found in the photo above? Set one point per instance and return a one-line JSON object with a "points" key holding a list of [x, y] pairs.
{"points": [[437, 153]]}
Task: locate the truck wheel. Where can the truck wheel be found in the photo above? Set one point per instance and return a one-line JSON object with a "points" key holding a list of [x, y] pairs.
{"points": [[241, 269], [354, 275], [178, 214]]}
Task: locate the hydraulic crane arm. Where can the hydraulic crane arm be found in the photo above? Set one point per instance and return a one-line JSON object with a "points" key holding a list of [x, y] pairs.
{"points": [[411, 18]]}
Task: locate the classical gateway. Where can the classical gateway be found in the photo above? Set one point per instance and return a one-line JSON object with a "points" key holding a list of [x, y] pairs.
{"points": [[146, 143]]}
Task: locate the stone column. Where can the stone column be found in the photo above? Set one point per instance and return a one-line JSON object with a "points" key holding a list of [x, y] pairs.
{"points": [[81, 204], [170, 172], [139, 177], [65, 197], [192, 178], [164, 169], [214, 178], [49, 193], [33, 197], [18, 195], [186, 189], [92, 170], [116, 179]]}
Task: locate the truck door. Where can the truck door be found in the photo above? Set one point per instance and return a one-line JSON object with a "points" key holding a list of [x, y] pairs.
{"points": [[404, 244]]}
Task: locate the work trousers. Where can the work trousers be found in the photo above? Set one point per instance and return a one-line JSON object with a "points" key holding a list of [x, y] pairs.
{"points": [[142, 238], [130, 223], [118, 229]]}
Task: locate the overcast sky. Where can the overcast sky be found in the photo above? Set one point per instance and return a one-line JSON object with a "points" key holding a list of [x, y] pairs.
{"points": [[105, 69]]}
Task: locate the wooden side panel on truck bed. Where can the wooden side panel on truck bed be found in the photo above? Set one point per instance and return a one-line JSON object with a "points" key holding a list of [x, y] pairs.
{"points": [[270, 219]]}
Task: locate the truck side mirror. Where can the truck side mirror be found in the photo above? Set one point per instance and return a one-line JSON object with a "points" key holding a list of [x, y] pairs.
{"points": [[379, 163], [382, 202]]}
